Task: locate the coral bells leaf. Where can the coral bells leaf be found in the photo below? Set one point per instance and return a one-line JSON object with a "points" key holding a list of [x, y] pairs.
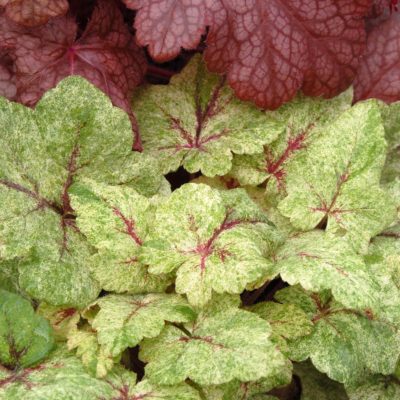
{"points": [[7, 77], [33, 12], [268, 49], [379, 72], [105, 54]]}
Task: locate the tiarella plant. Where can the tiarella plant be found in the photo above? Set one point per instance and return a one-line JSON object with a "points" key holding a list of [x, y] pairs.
{"points": [[244, 253]]}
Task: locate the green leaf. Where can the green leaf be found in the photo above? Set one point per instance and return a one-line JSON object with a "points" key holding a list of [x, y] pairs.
{"points": [[337, 179], [115, 220], [320, 261], [123, 321], [73, 133], [215, 240], [25, 338], [9, 276], [197, 122], [376, 387], [215, 349], [148, 391], [317, 386], [345, 343], [304, 119]]}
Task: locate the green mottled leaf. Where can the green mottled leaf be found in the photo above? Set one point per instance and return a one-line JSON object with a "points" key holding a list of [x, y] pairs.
{"points": [[319, 261], [197, 122], [215, 240], [123, 321], [9, 276], [344, 343], [376, 387], [337, 179], [148, 391], [304, 118], [116, 219], [62, 319], [73, 133], [287, 320], [215, 349], [25, 338], [317, 386]]}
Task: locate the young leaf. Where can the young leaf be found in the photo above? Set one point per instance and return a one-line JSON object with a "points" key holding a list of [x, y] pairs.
{"points": [[379, 73], [195, 121], [337, 180], [317, 386], [320, 261], [115, 220], [215, 349], [73, 133], [376, 387], [269, 50], [215, 240], [345, 343], [124, 321], [105, 54], [25, 338]]}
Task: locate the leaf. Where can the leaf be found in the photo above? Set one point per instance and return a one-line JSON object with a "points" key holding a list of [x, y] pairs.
{"points": [[375, 388], [33, 12], [61, 377], [320, 261], [148, 391], [105, 54], [9, 276], [215, 240], [116, 220], [269, 50], [317, 386], [25, 338], [345, 343], [7, 77], [195, 121], [287, 321], [74, 133], [215, 349], [305, 119], [124, 321], [379, 72], [337, 179]]}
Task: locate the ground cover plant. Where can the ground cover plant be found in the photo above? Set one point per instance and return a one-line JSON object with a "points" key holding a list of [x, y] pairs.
{"points": [[199, 200]]}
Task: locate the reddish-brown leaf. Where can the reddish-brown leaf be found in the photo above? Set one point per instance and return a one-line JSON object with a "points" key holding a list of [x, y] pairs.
{"points": [[7, 77], [33, 12], [379, 72], [165, 26], [105, 54], [268, 49]]}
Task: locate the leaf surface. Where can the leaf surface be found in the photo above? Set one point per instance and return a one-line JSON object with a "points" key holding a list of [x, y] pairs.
{"points": [[337, 180], [196, 121], [215, 240], [215, 349], [377, 387], [25, 338]]}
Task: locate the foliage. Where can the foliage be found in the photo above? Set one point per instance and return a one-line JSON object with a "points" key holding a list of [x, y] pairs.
{"points": [[245, 253]]}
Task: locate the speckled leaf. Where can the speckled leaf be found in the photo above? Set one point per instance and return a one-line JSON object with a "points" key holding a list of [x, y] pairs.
{"points": [[319, 261], [304, 119], [377, 387], [345, 343], [287, 320], [317, 386], [215, 349], [9, 276], [123, 321], [215, 240], [115, 220], [62, 319], [391, 122], [337, 179], [25, 338], [73, 133], [61, 377], [197, 122]]}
